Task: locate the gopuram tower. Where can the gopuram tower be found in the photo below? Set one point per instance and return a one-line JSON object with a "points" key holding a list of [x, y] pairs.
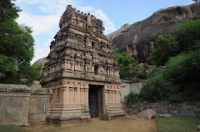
{"points": [[81, 71]]}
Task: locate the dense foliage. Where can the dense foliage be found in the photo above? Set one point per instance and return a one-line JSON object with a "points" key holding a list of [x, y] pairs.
{"points": [[132, 97], [183, 38], [166, 47], [178, 80], [183, 72], [127, 66], [16, 48], [156, 88], [8, 10]]}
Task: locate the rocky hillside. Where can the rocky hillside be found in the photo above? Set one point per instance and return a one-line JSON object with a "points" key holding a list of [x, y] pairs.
{"points": [[41, 61], [138, 39]]}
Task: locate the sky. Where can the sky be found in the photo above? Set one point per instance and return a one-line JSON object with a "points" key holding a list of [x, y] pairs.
{"points": [[43, 15]]}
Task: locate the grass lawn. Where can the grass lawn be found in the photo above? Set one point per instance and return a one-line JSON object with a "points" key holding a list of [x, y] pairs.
{"points": [[177, 124], [12, 128]]}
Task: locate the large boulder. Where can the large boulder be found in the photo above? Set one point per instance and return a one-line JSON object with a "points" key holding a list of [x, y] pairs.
{"points": [[42, 62], [138, 39], [145, 115]]}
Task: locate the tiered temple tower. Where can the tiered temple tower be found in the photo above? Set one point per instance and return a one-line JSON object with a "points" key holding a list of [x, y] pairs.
{"points": [[81, 71]]}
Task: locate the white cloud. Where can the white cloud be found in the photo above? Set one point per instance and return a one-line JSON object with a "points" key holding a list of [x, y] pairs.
{"points": [[44, 15], [42, 50], [40, 24]]}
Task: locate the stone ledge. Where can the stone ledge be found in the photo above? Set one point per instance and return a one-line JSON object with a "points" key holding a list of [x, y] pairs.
{"points": [[12, 88]]}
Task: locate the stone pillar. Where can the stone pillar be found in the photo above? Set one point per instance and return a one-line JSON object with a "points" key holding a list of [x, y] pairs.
{"points": [[106, 95], [78, 93], [54, 96], [64, 93], [109, 95], [82, 94], [112, 89], [75, 92], [71, 93], [86, 94], [60, 94], [119, 92], [67, 94], [116, 95]]}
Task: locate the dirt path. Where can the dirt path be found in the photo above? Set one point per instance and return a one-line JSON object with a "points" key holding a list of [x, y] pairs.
{"points": [[119, 125]]}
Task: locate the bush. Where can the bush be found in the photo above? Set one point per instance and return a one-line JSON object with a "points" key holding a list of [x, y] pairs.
{"points": [[156, 88], [126, 64], [142, 74], [177, 81], [132, 97], [183, 72]]}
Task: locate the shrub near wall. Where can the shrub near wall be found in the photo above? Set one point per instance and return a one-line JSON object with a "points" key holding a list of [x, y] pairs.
{"points": [[163, 107]]}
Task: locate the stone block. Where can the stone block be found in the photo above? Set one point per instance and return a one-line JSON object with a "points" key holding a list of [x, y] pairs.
{"points": [[145, 115]]}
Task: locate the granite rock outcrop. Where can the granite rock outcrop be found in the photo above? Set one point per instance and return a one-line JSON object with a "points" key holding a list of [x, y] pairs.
{"points": [[139, 38]]}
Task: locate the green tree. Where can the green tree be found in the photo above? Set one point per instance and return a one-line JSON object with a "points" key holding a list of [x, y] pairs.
{"points": [[166, 47], [156, 88], [187, 35], [126, 64], [183, 72], [16, 48], [183, 38], [8, 10]]}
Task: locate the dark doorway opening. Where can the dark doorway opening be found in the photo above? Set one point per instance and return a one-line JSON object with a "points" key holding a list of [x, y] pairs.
{"points": [[95, 101], [93, 45], [96, 70]]}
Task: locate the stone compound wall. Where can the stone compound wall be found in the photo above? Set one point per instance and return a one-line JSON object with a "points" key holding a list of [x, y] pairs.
{"points": [[39, 104], [183, 108], [14, 102], [20, 104], [129, 86]]}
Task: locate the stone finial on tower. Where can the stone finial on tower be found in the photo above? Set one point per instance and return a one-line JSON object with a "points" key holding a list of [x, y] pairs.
{"points": [[89, 18]]}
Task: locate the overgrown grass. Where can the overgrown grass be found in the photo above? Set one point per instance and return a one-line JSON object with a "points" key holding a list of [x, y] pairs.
{"points": [[178, 124], [12, 128]]}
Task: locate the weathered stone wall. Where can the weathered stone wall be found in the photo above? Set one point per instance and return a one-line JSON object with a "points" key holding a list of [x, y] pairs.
{"points": [[14, 104], [163, 107], [129, 86], [20, 104], [38, 107]]}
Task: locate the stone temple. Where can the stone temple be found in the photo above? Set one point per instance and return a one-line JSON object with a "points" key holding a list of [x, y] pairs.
{"points": [[81, 71]]}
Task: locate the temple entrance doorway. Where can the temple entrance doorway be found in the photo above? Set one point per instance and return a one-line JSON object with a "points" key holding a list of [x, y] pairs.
{"points": [[95, 101]]}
